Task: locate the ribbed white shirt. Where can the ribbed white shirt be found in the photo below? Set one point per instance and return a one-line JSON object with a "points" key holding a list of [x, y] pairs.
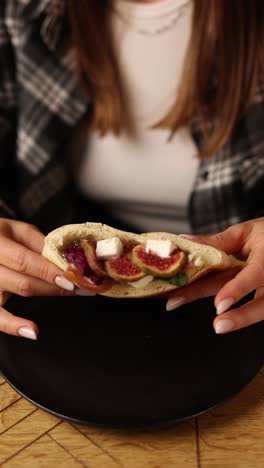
{"points": [[144, 179]]}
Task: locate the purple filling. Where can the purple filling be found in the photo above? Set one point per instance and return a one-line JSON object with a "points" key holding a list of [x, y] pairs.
{"points": [[75, 255]]}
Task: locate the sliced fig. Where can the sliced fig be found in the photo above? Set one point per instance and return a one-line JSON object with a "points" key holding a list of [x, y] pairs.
{"points": [[129, 246], [73, 275], [94, 263], [122, 268], [154, 265]]}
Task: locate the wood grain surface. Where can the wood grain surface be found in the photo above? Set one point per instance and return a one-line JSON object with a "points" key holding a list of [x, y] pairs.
{"points": [[231, 436]]}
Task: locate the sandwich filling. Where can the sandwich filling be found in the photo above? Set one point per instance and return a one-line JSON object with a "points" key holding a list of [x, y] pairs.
{"points": [[99, 265]]}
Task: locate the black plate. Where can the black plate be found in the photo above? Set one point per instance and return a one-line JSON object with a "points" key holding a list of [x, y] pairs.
{"points": [[115, 363]]}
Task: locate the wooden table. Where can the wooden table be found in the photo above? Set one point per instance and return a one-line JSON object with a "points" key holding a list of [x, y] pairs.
{"points": [[228, 437]]}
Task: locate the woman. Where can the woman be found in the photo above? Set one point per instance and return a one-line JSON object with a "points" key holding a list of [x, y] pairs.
{"points": [[144, 114]]}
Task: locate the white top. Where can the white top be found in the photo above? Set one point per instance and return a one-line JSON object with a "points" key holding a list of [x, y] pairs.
{"points": [[144, 179]]}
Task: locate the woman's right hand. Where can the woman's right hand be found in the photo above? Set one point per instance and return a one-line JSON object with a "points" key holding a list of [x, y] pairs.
{"points": [[23, 271]]}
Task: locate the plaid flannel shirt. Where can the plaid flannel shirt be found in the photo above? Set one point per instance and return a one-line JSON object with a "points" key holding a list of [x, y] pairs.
{"points": [[41, 103]]}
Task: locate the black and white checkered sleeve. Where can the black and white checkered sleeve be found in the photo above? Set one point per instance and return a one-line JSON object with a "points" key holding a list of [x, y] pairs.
{"points": [[7, 117], [252, 162]]}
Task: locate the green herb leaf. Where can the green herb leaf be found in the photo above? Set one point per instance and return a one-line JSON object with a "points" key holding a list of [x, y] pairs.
{"points": [[180, 280]]}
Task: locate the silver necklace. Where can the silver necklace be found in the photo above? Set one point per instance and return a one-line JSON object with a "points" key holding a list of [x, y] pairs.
{"points": [[181, 11]]}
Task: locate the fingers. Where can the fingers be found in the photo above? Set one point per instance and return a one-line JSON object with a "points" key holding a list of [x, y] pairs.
{"points": [[22, 245], [234, 319], [17, 326], [259, 292], [29, 236], [25, 272], [231, 241], [19, 258], [205, 287], [246, 241], [4, 296], [247, 280], [23, 233], [248, 314], [26, 286]]}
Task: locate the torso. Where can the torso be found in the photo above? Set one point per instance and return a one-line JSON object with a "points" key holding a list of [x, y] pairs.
{"points": [[144, 179]]}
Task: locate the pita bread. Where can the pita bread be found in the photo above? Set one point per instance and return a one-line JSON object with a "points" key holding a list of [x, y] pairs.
{"points": [[211, 259]]}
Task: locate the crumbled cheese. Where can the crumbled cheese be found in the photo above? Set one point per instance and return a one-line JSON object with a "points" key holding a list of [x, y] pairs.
{"points": [[109, 248], [198, 262], [142, 282], [191, 257], [162, 248]]}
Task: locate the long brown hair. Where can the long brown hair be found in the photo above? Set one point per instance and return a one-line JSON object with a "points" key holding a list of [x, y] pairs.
{"points": [[223, 66]]}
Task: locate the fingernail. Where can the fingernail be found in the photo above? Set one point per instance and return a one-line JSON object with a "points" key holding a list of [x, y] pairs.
{"points": [[224, 326], [84, 292], [27, 332], [224, 305], [187, 236], [64, 283], [174, 303]]}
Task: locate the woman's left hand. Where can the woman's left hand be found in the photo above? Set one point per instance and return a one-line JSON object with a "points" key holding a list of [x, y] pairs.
{"points": [[245, 240]]}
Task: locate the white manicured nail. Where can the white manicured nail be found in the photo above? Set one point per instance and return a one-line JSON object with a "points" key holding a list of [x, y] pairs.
{"points": [[64, 283], [84, 292], [174, 303], [27, 332], [224, 305], [224, 326]]}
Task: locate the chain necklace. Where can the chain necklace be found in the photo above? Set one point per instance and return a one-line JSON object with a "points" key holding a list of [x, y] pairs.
{"points": [[181, 11]]}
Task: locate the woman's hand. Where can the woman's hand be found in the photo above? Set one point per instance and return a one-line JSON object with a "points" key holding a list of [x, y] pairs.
{"points": [[25, 272], [245, 240]]}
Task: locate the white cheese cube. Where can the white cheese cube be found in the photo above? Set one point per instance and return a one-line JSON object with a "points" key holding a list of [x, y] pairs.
{"points": [[109, 248], [162, 248]]}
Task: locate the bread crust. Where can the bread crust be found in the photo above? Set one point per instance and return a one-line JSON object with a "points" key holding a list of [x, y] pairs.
{"points": [[213, 259]]}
